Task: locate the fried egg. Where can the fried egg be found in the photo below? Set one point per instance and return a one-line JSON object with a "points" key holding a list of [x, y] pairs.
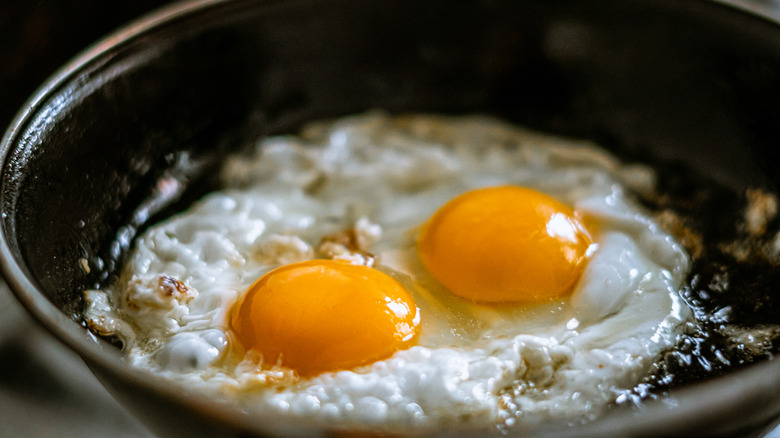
{"points": [[407, 272]]}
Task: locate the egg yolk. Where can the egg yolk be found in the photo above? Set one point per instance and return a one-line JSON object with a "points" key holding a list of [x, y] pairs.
{"points": [[505, 244], [324, 315]]}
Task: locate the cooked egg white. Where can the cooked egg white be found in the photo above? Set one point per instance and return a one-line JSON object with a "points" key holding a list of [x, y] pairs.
{"points": [[360, 192]]}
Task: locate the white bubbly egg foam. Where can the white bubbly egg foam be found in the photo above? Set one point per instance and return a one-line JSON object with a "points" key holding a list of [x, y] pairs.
{"points": [[385, 176]]}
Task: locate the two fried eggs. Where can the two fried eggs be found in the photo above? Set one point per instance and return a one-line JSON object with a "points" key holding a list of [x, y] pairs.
{"points": [[415, 271]]}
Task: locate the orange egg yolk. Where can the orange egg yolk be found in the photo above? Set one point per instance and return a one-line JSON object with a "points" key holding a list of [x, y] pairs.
{"points": [[505, 244], [324, 315]]}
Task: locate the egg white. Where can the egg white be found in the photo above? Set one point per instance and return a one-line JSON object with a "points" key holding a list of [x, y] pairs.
{"points": [[383, 177]]}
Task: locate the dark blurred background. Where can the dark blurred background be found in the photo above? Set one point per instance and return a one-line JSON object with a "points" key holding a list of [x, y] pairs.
{"points": [[37, 37]]}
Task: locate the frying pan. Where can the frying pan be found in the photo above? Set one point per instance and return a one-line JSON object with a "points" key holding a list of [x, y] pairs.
{"points": [[133, 130]]}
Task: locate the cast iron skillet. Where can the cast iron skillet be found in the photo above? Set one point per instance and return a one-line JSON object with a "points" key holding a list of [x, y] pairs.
{"points": [[133, 130]]}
